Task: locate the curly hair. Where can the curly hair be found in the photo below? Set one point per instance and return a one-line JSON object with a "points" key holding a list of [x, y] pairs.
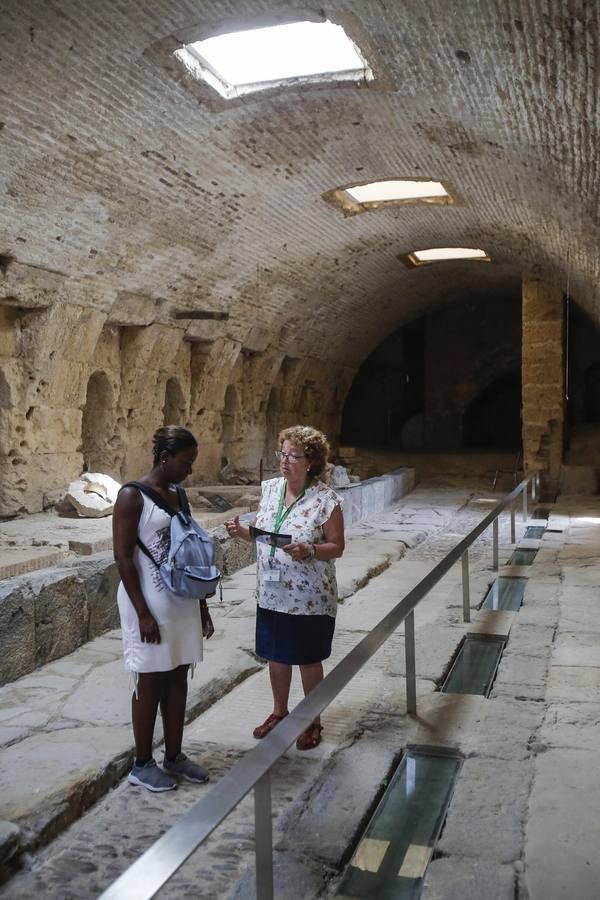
{"points": [[314, 444], [171, 439]]}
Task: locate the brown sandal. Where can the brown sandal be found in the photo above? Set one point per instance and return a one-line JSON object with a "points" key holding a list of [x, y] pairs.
{"points": [[268, 725], [310, 738]]}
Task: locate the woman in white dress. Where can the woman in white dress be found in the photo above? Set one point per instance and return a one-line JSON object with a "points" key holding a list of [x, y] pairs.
{"points": [[162, 633], [296, 584]]}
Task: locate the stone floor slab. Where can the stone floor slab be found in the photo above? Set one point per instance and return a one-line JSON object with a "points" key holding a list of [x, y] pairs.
{"points": [[561, 851]]}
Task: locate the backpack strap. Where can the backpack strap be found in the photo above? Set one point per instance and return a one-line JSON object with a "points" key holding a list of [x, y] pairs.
{"points": [[153, 495], [159, 501], [184, 503]]}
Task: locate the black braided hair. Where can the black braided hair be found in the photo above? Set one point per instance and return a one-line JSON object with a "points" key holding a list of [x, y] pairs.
{"points": [[171, 439]]}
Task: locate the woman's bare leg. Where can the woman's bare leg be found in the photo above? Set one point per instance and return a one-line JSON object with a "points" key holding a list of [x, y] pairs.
{"points": [[281, 679], [172, 708], [143, 712], [311, 675]]}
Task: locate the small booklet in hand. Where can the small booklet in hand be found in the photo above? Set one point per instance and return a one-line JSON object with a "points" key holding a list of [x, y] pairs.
{"points": [[270, 537]]}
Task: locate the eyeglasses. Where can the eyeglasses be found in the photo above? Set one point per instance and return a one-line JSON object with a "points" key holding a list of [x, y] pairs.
{"points": [[291, 457]]}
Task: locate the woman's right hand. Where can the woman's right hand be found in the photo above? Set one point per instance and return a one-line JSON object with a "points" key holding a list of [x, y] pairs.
{"points": [[233, 527], [236, 529], [149, 631]]}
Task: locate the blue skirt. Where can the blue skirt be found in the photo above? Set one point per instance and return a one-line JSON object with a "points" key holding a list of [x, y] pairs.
{"points": [[293, 640]]}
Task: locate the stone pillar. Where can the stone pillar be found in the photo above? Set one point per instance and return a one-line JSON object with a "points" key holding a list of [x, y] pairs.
{"points": [[543, 371]]}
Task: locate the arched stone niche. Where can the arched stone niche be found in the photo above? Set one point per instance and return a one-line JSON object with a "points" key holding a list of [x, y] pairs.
{"points": [[229, 433], [5, 392], [175, 408], [98, 438], [272, 423]]}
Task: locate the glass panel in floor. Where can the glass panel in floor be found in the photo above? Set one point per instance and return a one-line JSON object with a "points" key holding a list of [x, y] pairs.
{"points": [[391, 859], [475, 666], [505, 594]]}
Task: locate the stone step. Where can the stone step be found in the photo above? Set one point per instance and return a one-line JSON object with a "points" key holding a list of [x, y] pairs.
{"points": [[20, 560]]}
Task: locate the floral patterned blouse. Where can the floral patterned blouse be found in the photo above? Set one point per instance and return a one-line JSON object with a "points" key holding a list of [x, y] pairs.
{"points": [[306, 587]]}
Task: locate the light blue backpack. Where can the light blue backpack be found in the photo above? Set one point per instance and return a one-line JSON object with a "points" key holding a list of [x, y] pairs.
{"points": [[189, 570]]}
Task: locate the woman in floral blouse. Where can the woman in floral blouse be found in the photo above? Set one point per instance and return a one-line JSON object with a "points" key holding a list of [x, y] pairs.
{"points": [[296, 585]]}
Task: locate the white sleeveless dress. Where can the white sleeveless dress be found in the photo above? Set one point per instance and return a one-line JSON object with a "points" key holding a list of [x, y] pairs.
{"points": [[178, 618]]}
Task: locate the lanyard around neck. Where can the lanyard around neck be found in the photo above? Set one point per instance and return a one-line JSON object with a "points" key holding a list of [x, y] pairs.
{"points": [[282, 513]]}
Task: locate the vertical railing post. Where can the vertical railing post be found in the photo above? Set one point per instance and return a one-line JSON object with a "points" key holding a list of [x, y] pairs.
{"points": [[513, 528], [263, 838], [465, 586], [495, 544], [534, 489], [411, 671], [525, 504]]}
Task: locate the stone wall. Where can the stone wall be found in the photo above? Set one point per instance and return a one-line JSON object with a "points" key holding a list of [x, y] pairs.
{"points": [[435, 370], [85, 386], [543, 381], [467, 350]]}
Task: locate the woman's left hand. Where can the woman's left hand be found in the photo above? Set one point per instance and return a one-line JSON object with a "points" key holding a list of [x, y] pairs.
{"points": [[298, 551], [208, 629]]}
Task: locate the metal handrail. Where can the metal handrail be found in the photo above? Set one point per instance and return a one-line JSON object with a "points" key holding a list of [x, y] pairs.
{"points": [[145, 877]]}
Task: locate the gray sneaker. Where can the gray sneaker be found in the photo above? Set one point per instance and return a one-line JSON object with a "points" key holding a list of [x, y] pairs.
{"points": [[183, 767], [151, 777]]}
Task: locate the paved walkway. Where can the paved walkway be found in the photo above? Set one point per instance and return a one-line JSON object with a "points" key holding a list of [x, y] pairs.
{"points": [[70, 720], [524, 810]]}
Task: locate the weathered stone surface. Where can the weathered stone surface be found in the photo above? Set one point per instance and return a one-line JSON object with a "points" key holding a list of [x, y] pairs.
{"points": [[574, 683], [464, 878], [93, 494], [574, 726], [542, 380], [487, 812], [61, 616], [295, 877], [561, 850], [504, 739], [17, 631], [9, 840], [101, 580], [325, 821]]}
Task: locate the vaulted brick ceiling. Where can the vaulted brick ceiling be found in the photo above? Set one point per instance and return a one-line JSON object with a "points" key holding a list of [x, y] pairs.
{"points": [[120, 176]]}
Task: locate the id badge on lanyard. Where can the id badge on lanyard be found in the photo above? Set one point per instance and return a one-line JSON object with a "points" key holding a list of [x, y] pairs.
{"points": [[271, 571]]}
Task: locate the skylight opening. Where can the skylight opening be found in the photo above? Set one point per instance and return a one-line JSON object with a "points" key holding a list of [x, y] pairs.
{"points": [[246, 61], [395, 189], [443, 254], [366, 196]]}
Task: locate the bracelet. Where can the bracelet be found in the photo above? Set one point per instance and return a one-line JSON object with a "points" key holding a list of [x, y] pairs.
{"points": [[312, 551]]}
